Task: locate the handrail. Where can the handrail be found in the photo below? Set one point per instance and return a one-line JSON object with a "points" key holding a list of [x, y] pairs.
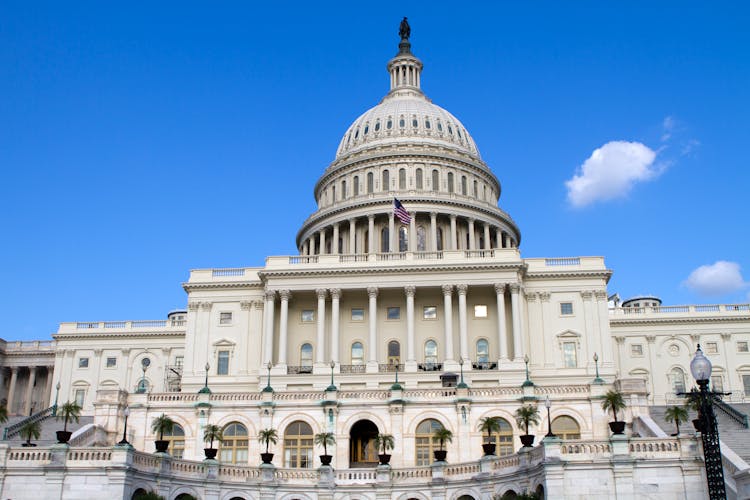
{"points": [[731, 411], [14, 429]]}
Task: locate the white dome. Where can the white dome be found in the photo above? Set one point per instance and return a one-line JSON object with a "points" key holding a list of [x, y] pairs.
{"points": [[408, 117]]}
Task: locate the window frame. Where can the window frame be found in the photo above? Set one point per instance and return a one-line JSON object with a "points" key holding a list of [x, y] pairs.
{"points": [[222, 361], [225, 318], [303, 316], [565, 306], [429, 316], [83, 362], [393, 317]]}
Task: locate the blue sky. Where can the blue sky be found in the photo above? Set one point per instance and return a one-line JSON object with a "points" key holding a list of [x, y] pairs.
{"points": [[139, 141]]}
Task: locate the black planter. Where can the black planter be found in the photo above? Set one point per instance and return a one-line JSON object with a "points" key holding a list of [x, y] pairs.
{"points": [[210, 452], [63, 436], [440, 455], [698, 424], [162, 445], [617, 427], [527, 440], [384, 459], [326, 459], [488, 448], [26, 445], [266, 457]]}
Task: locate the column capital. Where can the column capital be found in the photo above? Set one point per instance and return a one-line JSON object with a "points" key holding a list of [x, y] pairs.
{"points": [[462, 289], [601, 294], [531, 296], [726, 336], [269, 294], [544, 296], [193, 306], [206, 306], [514, 287], [370, 217], [335, 293], [321, 293], [650, 339], [285, 294], [257, 304], [433, 214], [587, 294], [453, 217], [245, 305], [372, 291], [447, 290], [410, 290], [620, 339], [500, 288]]}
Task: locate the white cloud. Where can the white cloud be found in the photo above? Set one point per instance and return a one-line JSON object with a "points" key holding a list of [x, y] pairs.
{"points": [[668, 126], [611, 171], [719, 278]]}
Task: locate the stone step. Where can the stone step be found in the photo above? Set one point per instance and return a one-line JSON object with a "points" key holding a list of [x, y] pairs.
{"points": [[49, 428]]}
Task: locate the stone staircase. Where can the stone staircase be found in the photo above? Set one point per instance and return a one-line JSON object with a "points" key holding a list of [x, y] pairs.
{"points": [[49, 426], [731, 432]]}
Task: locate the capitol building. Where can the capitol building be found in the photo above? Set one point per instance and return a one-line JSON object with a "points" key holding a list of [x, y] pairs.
{"points": [[409, 308]]}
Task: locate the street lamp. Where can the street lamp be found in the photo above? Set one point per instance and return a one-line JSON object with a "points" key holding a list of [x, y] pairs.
{"points": [[462, 384], [268, 387], [598, 379], [700, 367], [332, 387], [124, 442], [57, 393], [145, 363], [527, 382], [548, 405], [396, 386], [205, 389]]}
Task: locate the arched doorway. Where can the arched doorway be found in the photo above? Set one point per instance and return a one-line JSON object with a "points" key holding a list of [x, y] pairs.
{"points": [[362, 450]]}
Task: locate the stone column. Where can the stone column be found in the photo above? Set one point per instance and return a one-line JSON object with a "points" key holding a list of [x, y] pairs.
{"points": [[515, 305], [502, 334], [12, 389], [588, 338], [448, 313], [352, 236], [320, 347], [372, 351], [433, 231], [335, 298], [311, 246], [391, 233], [370, 233], [463, 334], [30, 390], [604, 337], [452, 246], [322, 236], [547, 322], [498, 238], [507, 240], [472, 236], [268, 327], [335, 242], [413, 233], [410, 291], [47, 400], [487, 242], [284, 295]]}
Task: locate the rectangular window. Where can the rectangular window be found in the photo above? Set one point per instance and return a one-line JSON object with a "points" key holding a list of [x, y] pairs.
{"points": [[394, 313], [83, 362], [569, 355], [222, 367], [566, 308], [636, 350], [225, 318], [429, 312], [717, 384], [358, 314], [179, 360], [746, 384], [111, 362], [742, 347], [308, 315], [80, 397], [712, 348], [480, 311]]}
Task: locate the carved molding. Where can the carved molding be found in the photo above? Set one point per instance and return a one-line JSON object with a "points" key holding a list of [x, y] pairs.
{"points": [[245, 305], [410, 290], [269, 295], [500, 288], [620, 340], [545, 296], [206, 306], [372, 291], [321, 293], [193, 306], [531, 296], [650, 339], [335, 293], [601, 294], [587, 294], [447, 290], [285, 295], [514, 287], [462, 289]]}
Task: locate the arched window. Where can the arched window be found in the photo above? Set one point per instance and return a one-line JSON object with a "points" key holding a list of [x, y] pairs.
{"points": [[504, 438], [343, 190], [298, 445], [234, 445], [463, 185], [476, 190], [425, 444], [403, 239], [483, 353], [358, 354], [394, 353], [140, 388], [355, 186], [384, 239], [566, 427], [402, 178], [420, 181], [341, 245], [386, 181], [370, 182], [333, 193], [439, 239], [421, 239], [435, 180], [176, 438], [430, 354], [677, 379], [367, 241], [306, 357], [450, 182]]}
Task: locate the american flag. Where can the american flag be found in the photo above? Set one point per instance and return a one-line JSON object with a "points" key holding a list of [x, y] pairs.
{"points": [[400, 212]]}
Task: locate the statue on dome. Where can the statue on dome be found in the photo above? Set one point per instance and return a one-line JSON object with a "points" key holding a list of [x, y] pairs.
{"points": [[404, 30]]}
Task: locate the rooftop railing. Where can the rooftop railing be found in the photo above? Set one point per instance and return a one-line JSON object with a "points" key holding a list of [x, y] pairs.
{"points": [[692, 309]]}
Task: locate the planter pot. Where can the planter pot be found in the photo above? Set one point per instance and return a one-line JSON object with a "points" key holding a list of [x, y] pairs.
{"points": [[162, 445], [527, 440], [489, 448], [384, 459], [63, 436], [26, 445], [440, 455], [326, 459], [210, 452], [617, 427], [266, 457], [698, 424]]}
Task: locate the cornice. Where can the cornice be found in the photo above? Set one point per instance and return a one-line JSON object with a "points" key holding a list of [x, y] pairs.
{"points": [[222, 285], [421, 269], [677, 320], [607, 274], [120, 335]]}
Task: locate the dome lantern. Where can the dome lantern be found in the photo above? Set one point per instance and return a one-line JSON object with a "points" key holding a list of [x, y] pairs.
{"points": [[405, 69]]}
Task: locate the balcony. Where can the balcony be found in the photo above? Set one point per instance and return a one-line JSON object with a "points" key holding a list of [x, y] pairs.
{"points": [[297, 370]]}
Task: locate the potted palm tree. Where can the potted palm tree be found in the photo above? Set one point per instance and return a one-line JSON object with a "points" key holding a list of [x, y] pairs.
{"points": [[525, 416], [325, 439], [384, 442], [443, 436], [30, 430], [676, 414], [69, 411], [3, 414], [211, 433], [160, 425], [614, 401], [693, 402], [267, 437], [489, 425]]}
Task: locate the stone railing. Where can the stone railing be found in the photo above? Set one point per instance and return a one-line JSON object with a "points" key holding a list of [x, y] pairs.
{"points": [[30, 346], [130, 325], [690, 310]]}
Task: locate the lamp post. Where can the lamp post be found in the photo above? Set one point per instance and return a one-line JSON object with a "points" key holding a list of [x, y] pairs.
{"points": [[548, 405], [145, 363], [462, 384], [205, 389], [268, 387], [598, 379], [124, 442], [700, 367], [527, 382], [332, 387], [396, 386], [57, 393]]}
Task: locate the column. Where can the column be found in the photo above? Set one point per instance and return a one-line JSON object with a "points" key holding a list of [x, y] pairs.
{"points": [[506, 236], [320, 347], [372, 349], [472, 236], [335, 298], [352, 236], [29, 390], [335, 242], [410, 291], [12, 389], [452, 246], [413, 233], [433, 231], [370, 233], [515, 306], [306, 248], [322, 236], [463, 335], [498, 238], [47, 401], [270, 297], [604, 338], [311, 245], [284, 295], [391, 233], [502, 334], [448, 313], [548, 340], [588, 338], [487, 242]]}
